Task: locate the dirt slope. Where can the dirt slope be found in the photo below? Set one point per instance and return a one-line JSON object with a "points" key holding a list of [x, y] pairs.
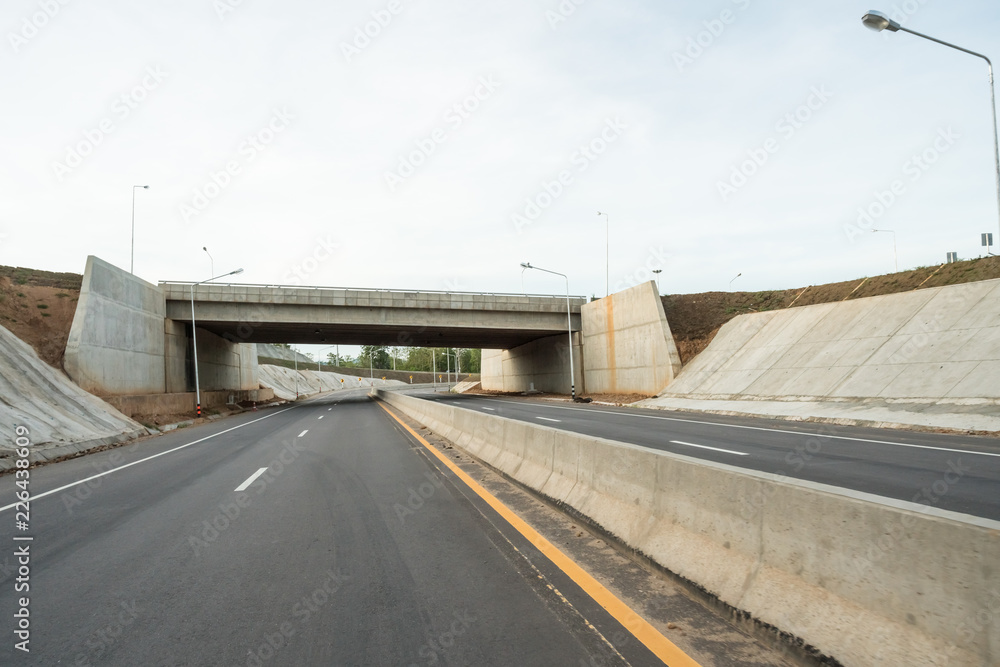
{"points": [[38, 307]]}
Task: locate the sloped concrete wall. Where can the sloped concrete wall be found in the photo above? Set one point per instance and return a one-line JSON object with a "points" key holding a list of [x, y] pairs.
{"points": [[54, 410], [115, 344], [936, 343], [542, 364], [627, 344]]}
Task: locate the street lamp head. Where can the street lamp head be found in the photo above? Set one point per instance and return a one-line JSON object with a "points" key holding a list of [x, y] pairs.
{"points": [[878, 21], [526, 265], [145, 187], [233, 273]]}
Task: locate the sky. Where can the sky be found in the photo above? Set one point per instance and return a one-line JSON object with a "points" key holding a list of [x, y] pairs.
{"points": [[404, 144]]}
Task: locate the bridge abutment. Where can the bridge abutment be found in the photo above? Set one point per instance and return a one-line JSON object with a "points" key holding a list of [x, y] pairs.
{"points": [[122, 344]]}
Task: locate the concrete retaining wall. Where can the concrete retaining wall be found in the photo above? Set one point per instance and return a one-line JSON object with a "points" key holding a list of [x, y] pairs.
{"points": [[627, 344], [543, 363], [941, 343], [226, 366], [121, 343], [176, 364], [168, 404], [115, 344], [867, 580]]}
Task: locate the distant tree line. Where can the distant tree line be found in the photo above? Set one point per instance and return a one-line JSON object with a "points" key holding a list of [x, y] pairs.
{"points": [[411, 358]]}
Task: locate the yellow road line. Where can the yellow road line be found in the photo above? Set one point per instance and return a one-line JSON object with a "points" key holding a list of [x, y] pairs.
{"points": [[662, 647]]}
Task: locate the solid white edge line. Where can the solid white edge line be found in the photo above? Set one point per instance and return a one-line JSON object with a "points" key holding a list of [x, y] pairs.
{"points": [[303, 433], [760, 428], [714, 449], [548, 419], [129, 465], [250, 480]]}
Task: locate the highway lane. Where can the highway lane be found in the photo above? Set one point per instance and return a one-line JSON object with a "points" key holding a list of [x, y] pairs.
{"points": [[351, 546], [958, 473]]}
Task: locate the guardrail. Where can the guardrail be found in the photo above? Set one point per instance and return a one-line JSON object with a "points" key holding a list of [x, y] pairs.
{"points": [[182, 283]]}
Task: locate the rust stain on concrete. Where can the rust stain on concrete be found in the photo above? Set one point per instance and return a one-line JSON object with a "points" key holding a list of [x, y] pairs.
{"points": [[609, 309]]}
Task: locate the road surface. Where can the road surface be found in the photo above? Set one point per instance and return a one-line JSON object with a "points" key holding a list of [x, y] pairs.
{"points": [[319, 534]]}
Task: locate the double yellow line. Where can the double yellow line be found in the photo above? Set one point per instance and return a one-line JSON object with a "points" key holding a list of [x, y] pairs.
{"points": [[640, 628]]}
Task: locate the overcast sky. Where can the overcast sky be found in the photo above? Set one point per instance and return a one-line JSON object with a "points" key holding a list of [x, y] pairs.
{"points": [[455, 140]]}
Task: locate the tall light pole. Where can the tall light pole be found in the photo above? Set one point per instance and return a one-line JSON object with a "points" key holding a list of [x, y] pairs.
{"points": [[607, 253], [878, 21], [320, 357], [734, 278], [657, 272], [131, 268], [194, 337], [569, 325], [211, 260], [895, 257]]}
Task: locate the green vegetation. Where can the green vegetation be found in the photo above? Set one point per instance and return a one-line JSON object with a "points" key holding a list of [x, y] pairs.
{"points": [[43, 306]]}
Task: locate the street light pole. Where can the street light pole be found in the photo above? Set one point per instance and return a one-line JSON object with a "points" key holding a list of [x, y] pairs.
{"points": [[895, 257], [657, 272], [210, 259], [734, 278], [878, 21], [194, 338], [569, 325], [607, 253], [131, 268]]}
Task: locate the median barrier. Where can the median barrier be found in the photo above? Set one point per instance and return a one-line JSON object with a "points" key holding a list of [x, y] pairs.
{"points": [[864, 579]]}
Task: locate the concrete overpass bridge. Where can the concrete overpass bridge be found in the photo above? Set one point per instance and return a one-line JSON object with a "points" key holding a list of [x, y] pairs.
{"points": [[356, 316], [130, 337]]}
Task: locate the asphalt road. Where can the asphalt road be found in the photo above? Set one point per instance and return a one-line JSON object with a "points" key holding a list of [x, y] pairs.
{"points": [[958, 473], [351, 547]]}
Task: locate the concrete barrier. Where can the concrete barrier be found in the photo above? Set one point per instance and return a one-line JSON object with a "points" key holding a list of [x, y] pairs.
{"points": [[864, 579]]}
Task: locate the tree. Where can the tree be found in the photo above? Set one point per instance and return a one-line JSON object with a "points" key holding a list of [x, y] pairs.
{"points": [[471, 360], [375, 356]]}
